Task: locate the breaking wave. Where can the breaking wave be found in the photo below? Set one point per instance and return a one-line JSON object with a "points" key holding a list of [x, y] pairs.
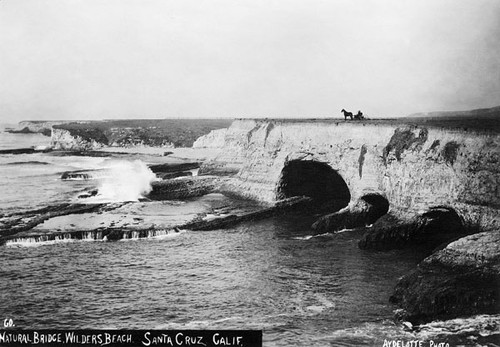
{"points": [[91, 235], [123, 181], [329, 234]]}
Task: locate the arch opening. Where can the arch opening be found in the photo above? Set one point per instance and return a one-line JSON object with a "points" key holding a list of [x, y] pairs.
{"points": [[316, 180], [379, 206]]}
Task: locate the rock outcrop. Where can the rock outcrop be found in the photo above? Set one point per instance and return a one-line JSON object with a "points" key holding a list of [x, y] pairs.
{"points": [[90, 139], [174, 170], [363, 212], [428, 230], [460, 280], [296, 204], [30, 150], [14, 224], [184, 187]]}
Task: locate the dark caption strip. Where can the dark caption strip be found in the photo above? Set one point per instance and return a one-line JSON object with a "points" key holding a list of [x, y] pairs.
{"points": [[172, 338]]}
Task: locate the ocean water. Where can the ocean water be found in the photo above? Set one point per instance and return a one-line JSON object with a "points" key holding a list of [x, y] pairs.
{"points": [[273, 275]]}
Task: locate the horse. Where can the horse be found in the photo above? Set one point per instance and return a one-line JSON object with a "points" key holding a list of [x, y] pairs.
{"points": [[346, 114], [359, 116]]}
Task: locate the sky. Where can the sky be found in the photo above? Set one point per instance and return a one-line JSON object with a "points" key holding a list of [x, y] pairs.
{"points": [[102, 59]]}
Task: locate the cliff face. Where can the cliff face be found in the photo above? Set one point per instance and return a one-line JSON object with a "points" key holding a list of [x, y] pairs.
{"points": [[41, 127], [214, 139], [63, 139], [131, 133], [413, 166]]}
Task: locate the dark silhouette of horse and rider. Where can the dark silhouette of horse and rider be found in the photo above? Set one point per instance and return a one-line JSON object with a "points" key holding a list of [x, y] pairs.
{"points": [[358, 116]]}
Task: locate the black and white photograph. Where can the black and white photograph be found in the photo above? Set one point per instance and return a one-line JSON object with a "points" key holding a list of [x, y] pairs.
{"points": [[250, 173]]}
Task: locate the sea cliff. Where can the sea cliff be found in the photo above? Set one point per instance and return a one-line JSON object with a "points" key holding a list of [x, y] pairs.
{"points": [[413, 166], [166, 133], [437, 183]]}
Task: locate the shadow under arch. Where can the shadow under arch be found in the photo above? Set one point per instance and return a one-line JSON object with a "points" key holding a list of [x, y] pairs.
{"points": [[379, 206], [316, 180]]}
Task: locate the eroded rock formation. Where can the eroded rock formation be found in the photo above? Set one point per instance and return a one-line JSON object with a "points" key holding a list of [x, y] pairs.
{"points": [[363, 212], [429, 230], [184, 187], [441, 185], [413, 167], [460, 280]]}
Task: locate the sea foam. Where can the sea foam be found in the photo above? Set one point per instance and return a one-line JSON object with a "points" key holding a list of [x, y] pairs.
{"points": [[124, 181]]}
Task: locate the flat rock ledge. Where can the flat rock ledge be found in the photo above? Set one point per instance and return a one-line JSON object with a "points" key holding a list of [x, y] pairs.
{"points": [[460, 280], [297, 204], [184, 187]]}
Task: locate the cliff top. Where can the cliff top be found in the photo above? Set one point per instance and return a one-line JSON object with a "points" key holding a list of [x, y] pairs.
{"points": [[476, 124], [479, 120]]}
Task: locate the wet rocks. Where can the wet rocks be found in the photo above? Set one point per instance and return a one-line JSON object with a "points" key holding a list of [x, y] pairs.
{"points": [[295, 204], [480, 330], [11, 225], [170, 175], [80, 174], [429, 230], [460, 280], [173, 167], [184, 187], [30, 150], [364, 212], [162, 171], [18, 151], [88, 194], [174, 170]]}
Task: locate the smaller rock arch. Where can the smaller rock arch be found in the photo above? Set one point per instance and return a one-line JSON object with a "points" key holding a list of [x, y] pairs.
{"points": [[379, 206]]}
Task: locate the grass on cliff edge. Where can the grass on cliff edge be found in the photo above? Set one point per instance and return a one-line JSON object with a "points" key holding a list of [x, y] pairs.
{"points": [[180, 132]]}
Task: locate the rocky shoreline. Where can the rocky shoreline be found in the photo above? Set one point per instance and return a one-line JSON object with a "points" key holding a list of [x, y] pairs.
{"points": [[463, 279], [405, 186], [460, 277], [412, 187]]}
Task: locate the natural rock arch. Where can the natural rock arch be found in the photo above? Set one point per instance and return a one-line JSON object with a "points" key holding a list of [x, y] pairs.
{"points": [[316, 180], [379, 206]]}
